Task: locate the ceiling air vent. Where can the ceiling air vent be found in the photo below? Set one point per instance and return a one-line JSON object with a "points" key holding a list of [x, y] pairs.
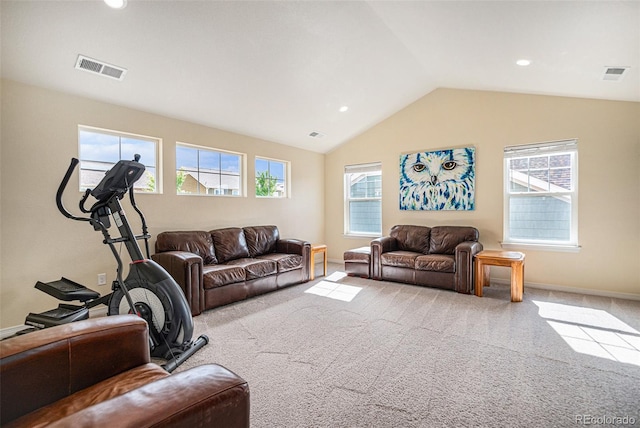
{"points": [[614, 74], [100, 67], [316, 134]]}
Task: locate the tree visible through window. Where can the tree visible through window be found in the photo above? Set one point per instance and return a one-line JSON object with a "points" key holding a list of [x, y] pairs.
{"points": [[100, 150], [271, 178], [201, 171], [541, 193], [363, 199]]}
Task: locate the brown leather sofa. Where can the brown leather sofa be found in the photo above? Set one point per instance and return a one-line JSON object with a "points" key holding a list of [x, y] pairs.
{"points": [[97, 373], [227, 265], [440, 256]]}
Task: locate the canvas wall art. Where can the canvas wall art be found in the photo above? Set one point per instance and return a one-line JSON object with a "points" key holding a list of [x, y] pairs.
{"points": [[438, 180]]}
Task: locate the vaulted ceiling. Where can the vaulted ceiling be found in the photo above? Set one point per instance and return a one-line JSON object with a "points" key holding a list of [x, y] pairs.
{"points": [[280, 70]]}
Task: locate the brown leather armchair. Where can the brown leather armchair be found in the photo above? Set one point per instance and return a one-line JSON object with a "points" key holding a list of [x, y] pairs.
{"points": [[97, 372]]}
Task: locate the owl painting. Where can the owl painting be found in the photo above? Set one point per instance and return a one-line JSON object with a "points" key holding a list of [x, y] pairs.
{"points": [[438, 180]]}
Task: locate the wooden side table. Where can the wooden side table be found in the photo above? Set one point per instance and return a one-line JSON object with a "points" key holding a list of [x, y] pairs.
{"points": [[317, 249], [512, 259]]}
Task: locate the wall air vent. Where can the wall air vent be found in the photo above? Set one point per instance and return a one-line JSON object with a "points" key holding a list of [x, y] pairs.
{"points": [[100, 67], [316, 134], [614, 74]]}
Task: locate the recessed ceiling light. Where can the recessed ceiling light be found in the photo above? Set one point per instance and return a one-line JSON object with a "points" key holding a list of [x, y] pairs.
{"points": [[523, 62], [116, 4], [343, 109]]}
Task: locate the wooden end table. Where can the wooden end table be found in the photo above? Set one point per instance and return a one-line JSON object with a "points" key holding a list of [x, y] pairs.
{"points": [[512, 259], [317, 249]]}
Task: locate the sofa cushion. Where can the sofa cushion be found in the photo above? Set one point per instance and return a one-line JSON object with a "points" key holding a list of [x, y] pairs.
{"points": [[229, 244], [357, 255], [196, 242], [411, 238], [444, 239], [285, 262], [261, 239], [405, 259], [255, 268], [214, 276], [436, 263]]}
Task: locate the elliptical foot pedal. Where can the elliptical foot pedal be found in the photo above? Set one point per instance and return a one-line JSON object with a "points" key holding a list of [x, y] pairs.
{"points": [[63, 314], [67, 290]]}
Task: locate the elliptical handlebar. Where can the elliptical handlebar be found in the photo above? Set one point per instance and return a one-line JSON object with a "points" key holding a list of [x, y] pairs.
{"points": [[61, 189]]}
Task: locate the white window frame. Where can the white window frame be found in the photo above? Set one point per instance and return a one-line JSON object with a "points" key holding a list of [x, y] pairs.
{"points": [[350, 170], [216, 192], [286, 186], [533, 150], [120, 135]]}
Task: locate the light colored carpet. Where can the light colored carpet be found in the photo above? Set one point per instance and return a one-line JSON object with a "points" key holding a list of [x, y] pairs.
{"points": [[406, 356]]}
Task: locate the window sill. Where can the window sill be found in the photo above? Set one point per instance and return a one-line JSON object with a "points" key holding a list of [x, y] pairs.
{"points": [[564, 248], [362, 235], [207, 195]]}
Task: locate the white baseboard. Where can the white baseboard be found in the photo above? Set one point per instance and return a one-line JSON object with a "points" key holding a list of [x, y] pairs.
{"points": [[553, 287], [98, 311], [563, 288], [10, 331]]}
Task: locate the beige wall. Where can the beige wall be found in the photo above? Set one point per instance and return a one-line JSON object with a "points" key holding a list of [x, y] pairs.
{"points": [[39, 137], [608, 135]]}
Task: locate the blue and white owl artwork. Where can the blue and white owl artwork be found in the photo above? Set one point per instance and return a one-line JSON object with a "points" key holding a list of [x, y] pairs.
{"points": [[438, 180]]}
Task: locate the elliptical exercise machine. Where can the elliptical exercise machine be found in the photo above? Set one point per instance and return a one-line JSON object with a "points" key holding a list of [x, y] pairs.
{"points": [[148, 291]]}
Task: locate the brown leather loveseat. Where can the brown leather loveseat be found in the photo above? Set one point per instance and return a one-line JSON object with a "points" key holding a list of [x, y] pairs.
{"points": [[97, 373], [223, 266], [440, 256]]}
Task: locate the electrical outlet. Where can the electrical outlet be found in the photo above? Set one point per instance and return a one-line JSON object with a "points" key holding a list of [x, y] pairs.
{"points": [[102, 279]]}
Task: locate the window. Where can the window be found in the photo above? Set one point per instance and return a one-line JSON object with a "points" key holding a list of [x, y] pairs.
{"points": [[201, 171], [363, 199], [100, 149], [541, 194], [271, 178]]}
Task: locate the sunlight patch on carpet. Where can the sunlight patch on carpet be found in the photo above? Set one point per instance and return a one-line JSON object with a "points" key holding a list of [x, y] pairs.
{"points": [[593, 332], [334, 290], [336, 276]]}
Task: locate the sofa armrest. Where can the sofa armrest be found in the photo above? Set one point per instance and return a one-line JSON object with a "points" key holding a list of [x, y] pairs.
{"points": [[385, 244], [299, 247], [205, 396], [464, 265], [379, 246], [45, 366], [186, 269], [292, 246]]}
